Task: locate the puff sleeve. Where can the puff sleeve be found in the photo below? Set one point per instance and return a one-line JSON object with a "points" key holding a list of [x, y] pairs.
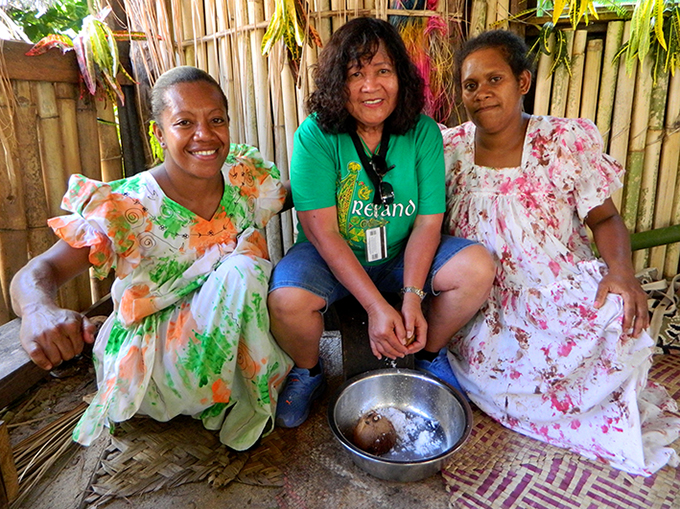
{"points": [[102, 220]]}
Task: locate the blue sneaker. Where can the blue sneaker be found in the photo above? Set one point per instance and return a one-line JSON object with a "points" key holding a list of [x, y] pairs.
{"points": [[297, 396], [441, 368]]}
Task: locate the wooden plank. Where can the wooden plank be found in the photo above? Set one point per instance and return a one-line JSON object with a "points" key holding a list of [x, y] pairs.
{"points": [[8, 472], [17, 371], [51, 66]]}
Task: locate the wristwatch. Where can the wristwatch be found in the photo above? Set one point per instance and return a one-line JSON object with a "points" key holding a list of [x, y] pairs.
{"points": [[413, 289]]}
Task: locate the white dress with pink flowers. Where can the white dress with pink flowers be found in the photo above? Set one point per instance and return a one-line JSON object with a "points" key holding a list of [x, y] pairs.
{"points": [[539, 357]]}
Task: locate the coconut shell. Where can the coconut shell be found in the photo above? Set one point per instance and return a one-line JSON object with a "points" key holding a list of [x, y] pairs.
{"points": [[374, 434]]}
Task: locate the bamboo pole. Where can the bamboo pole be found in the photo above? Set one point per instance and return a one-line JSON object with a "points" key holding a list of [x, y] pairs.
{"points": [[282, 157], [263, 113], [289, 104], [655, 134], [636, 146], [544, 81], [213, 67], [39, 235], [247, 81], [491, 9], [477, 17], [54, 172], [591, 79], [323, 25], [261, 80], [558, 101], [90, 163], [608, 81], [187, 13], [66, 94], [66, 104], [573, 106], [502, 14], [86, 120], [198, 29], [26, 127], [13, 227], [668, 193], [338, 6], [620, 125], [51, 155], [111, 160], [229, 65]]}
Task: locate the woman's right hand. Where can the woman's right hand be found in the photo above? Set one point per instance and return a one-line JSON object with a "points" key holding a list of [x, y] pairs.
{"points": [[386, 331], [51, 335]]}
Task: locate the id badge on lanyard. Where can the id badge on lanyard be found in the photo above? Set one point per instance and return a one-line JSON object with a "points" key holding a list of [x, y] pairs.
{"points": [[376, 244]]}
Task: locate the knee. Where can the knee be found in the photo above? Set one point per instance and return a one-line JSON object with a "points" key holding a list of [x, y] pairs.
{"points": [[290, 302], [472, 268]]}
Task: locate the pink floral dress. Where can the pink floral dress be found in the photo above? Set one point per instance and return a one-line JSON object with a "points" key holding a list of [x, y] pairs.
{"points": [[539, 358], [190, 329]]}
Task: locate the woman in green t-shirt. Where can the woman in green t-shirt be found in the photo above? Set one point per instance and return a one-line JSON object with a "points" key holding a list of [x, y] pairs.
{"points": [[367, 175]]}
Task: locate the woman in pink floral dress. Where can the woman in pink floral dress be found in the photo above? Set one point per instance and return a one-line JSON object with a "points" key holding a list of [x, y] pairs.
{"points": [[190, 330], [560, 351]]}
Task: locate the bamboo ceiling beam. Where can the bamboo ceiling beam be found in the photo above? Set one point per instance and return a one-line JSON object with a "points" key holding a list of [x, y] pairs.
{"points": [[323, 14]]}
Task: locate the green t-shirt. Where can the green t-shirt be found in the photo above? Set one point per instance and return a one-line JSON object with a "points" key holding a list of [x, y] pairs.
{"points": [[326, 171]]}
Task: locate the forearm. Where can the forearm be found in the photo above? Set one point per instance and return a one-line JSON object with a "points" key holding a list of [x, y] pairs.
{"points": [[36, 284], [613, 242]]}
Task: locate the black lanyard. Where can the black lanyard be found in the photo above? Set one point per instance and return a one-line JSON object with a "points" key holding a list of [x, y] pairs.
{"points": [[367, 164]]}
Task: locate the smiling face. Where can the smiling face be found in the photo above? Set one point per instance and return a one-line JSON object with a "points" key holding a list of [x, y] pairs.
{"points": [[373, 90], [194, 130], [492, 94]]}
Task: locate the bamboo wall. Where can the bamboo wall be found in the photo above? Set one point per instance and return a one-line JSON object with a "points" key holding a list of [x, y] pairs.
{"points": [[266, 104], [48, 133], [639, 121]]}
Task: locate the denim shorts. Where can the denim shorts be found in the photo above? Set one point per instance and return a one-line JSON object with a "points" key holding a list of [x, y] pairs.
{"points": [[303, 267]]}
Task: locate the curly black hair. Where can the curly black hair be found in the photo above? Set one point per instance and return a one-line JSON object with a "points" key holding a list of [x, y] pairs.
{"points": [[176, 75], [511, 46], [357, 41]]}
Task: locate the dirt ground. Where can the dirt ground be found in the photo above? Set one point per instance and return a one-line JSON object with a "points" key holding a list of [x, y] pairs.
{"points": [[318, 473]]}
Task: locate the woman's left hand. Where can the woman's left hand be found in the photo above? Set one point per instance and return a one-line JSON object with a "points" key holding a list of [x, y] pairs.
{"points": [[636, 314], [612, 240]]}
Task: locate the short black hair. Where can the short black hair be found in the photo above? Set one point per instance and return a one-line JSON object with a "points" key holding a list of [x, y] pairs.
{"points": [[356, 41], [176, 75], [513, 48]]}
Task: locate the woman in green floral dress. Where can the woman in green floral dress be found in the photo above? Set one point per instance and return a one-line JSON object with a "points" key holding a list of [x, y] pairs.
{"points": [[190, 331]]}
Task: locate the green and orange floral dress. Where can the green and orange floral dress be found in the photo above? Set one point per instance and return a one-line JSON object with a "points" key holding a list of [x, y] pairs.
{"points": [[190, 330]]}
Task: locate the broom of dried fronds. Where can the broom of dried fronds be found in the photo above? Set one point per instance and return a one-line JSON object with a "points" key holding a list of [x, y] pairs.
{"points": [[35, 455]]}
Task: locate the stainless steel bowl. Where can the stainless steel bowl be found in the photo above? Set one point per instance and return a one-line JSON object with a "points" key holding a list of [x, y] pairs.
{"points": [[414, 393]]}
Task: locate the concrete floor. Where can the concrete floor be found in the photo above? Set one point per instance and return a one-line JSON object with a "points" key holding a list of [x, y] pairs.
{"points": [[318, 474]]}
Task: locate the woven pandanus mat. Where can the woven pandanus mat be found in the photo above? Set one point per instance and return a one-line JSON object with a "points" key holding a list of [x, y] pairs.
{"points": [[146, 455], [501, 469]]}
